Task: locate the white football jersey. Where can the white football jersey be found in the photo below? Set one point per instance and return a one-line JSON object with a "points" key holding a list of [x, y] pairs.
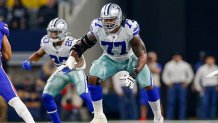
{"points": [[60, 55], [116, 45]]}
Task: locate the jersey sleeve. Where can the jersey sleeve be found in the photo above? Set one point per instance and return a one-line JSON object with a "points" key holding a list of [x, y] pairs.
{"points": [[44, 40], [4, 29], [95, 25], [132, 27]]}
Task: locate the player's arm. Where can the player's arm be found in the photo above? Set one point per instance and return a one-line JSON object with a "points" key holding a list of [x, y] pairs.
{"points": [[33, 58], [80, 63], [79, 48], [6, 49], [139, 50], [83, 44], [36, 56]]}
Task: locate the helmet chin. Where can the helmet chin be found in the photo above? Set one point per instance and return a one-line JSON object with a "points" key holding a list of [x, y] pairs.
{"points": [[55, 40], [110, 27]]}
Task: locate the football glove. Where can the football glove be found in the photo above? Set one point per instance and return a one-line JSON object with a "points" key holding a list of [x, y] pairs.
{"points": [[129, 81], [27, 64]]}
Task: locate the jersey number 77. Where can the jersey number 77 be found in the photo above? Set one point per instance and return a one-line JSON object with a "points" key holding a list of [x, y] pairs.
{"points": [[110, 46]]}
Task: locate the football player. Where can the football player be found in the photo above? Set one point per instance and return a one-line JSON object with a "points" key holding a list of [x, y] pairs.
{"points": [[7, 90], [57, 45], [123, 50]]}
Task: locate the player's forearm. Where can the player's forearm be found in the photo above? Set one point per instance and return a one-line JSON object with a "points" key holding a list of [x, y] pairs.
{"points": [[35, 57], [142, 60], [75, 54]]}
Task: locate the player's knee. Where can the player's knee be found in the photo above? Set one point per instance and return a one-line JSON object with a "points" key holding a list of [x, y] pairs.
{"points": [[46, 97], [93, 80], [48, 102], [148, 88]]}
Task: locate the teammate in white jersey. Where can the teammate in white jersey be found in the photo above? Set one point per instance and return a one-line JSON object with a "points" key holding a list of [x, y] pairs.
{"points": [[123, 50], [57, 45]]}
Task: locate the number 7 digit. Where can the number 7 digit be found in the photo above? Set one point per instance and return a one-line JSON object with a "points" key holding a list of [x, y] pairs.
{"points": [[123, 46], [109, 48]]}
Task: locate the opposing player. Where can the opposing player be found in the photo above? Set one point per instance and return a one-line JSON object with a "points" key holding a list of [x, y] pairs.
{"points": [[7, 90], [123, 50], [57, 45]]}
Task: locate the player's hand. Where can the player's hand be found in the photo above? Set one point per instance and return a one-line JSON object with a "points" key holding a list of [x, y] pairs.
{"points": [[27, 65], [211, 75], [129, 81], [70, 63], [63, 68], [81, 64]]}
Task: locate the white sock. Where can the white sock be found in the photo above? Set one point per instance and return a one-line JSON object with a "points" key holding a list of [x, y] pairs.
{"points": [[98, 108], [21, 109], [155, 106]]}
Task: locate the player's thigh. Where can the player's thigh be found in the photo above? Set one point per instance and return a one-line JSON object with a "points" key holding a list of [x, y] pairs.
{"points": [[79, 80], [55, 84], [144, 78], [103, 68], [7, 90]]}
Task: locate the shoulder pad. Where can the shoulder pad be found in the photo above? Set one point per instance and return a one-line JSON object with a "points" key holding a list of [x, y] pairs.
{"points": [[132, 27], [44, 41], [95, 25], [4, 28]]}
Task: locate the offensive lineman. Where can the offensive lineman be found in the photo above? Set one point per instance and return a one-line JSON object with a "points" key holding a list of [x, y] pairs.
{"points": [[123, 50], [7, 90], [57, 45]]}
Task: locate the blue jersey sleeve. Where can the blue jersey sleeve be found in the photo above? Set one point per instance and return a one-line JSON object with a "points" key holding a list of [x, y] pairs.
{"points": [[4, 29]]}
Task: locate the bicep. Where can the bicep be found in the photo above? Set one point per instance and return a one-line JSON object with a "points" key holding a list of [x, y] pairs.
{"points": [[138, 46]]}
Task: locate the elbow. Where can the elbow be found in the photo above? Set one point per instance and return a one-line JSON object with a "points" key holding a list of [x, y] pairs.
{"points": [[7, 58], [75, 54]]}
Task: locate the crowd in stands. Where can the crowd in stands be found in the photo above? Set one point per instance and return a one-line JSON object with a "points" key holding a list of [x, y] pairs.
{"points": [[33, 14]]}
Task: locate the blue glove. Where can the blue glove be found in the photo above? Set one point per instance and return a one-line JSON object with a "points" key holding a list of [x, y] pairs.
{"points": [[66, 70], [27, 65]]}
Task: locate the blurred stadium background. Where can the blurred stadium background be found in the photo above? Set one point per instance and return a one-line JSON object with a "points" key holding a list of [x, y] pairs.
{"points": [[188, 27]]}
